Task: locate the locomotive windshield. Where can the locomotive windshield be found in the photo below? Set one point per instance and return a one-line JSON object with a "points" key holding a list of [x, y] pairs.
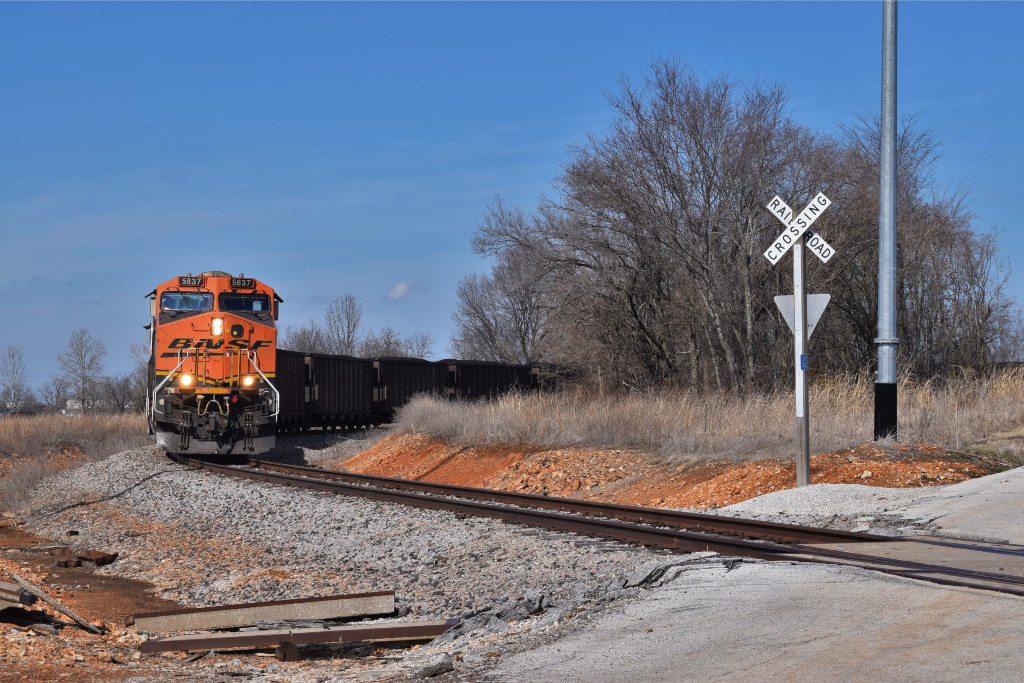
{"points": [[245, 303], [186, 301]]}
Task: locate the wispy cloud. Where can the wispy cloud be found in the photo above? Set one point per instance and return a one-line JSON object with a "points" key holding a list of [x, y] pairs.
{"points": [[398, 291]]}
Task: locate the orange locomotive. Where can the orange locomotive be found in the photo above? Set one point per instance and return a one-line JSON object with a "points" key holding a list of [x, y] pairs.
{"points": [[213, 343]]}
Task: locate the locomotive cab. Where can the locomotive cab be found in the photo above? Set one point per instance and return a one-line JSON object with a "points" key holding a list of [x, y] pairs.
{"points": [[213, 342]]}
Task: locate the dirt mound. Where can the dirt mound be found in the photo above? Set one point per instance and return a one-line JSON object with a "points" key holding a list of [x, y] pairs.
{"points": [[639, 479]]}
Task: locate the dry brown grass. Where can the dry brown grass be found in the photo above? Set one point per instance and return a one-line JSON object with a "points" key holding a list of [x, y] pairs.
{"points": [[690, 426], [30, 446], [95, 435]]}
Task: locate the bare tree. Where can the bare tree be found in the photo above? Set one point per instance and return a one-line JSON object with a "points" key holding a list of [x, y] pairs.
{"points": [[386, 342], [308, 338], [118, 391], [650, 251], [81, 366], [14, 389], [503, 317], [654, 240], [55, 393], [341, 325], [418, 344], [340, 333], [954, 307]]}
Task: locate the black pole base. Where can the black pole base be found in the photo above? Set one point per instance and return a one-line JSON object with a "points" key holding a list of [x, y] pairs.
{"points": [[885, 411]]}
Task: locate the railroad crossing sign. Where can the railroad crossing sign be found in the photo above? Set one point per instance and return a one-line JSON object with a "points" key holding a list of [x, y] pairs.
{"points": [[798, 226], [801, 319]]}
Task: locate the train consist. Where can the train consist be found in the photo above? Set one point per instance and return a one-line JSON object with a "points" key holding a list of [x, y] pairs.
{"points": [[218, 382]]}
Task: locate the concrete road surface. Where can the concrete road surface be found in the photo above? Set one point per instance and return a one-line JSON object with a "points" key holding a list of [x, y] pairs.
{"points": [[777, 621]]}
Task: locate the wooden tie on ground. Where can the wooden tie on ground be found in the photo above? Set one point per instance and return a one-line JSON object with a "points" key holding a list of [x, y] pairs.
{"points": [[397, 631], [97, 557], [12, 594], [56, 605], [66, 558], [235, 616]]}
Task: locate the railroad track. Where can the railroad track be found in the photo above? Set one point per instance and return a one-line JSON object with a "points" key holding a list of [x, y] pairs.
{"points": [[988, 566]]}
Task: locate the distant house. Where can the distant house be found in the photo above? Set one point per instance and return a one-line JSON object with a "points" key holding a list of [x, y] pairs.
{"points": [[73, 408]]}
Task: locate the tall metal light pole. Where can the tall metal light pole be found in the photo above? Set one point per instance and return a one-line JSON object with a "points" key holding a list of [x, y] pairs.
{"points": [[885, 383]]}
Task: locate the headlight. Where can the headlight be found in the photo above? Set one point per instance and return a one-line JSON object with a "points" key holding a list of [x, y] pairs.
{"points": [[218, 325], [186, 380], [248, 381]]}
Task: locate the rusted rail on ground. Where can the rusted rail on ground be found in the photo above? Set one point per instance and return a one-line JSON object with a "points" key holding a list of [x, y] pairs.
{"points": [[646, 526], [424, 630]]}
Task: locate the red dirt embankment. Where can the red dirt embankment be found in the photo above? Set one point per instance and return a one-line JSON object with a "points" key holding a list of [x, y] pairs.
{"points": [[639, 479]]}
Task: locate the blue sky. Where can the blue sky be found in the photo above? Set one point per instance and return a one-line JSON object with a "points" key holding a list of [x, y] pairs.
{"points": [[332, 148]]}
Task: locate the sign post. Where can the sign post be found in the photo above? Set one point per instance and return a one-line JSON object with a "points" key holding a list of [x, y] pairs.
{"points": [[798, 235]]}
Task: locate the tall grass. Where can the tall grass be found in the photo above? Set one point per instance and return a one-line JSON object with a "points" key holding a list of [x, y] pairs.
{"points": [[97, 436], [28, 442], [693, 426]]}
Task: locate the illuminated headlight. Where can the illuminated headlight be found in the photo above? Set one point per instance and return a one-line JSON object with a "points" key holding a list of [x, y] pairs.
{"points": [[186, 380], [249, 381], [218, 325]]}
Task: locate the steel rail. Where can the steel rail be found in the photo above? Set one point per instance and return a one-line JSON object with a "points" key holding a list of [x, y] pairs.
{"points": [[752, 529], [787, 533], [980, 546], [670, 539]]}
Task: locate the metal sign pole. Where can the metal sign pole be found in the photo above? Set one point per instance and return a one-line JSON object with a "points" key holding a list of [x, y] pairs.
{"points": [[803, 454], [797, 235]]}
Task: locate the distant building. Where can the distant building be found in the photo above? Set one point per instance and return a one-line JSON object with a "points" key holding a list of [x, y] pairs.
{"points": [[73, 408]]}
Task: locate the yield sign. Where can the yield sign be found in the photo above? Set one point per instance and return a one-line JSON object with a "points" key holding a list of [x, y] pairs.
{"points": [[796, 226], [816, 304]]}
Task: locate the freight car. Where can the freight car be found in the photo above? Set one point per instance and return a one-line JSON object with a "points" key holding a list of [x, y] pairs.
{"points": [[340, 392], [476, 379], [218, 382]]}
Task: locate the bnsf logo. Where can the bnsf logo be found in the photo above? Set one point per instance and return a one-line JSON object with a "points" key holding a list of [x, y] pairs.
{"points": [[186, 343]]}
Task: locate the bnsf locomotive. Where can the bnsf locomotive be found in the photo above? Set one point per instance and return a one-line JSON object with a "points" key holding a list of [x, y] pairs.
{"points": [[213, 342], [218, 384]]}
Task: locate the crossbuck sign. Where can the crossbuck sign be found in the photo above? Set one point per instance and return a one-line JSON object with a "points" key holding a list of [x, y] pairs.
{"points": [[798, 234], [795, 228]]}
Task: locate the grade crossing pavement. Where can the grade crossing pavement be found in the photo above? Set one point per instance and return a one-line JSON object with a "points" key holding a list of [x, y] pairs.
{"points": [[775, 621]]}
